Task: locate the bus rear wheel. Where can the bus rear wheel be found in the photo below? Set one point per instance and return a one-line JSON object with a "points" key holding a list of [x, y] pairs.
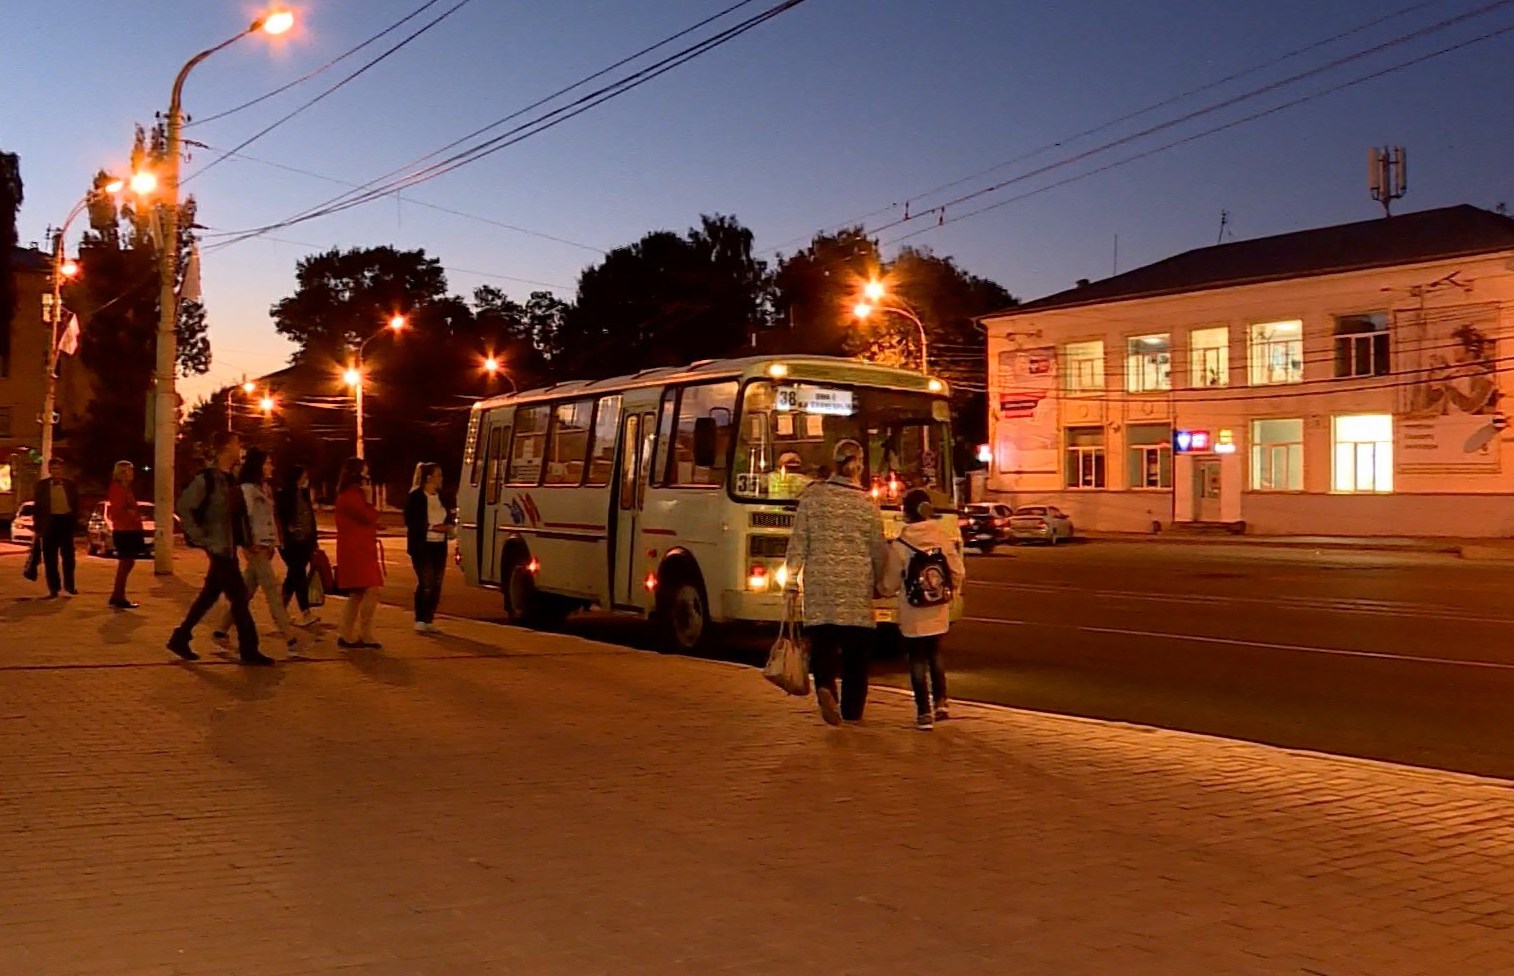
{"points": [[683, 616]]}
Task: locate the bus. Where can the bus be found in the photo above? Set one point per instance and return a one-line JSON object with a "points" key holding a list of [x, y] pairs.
{"points": [[670, 493]]}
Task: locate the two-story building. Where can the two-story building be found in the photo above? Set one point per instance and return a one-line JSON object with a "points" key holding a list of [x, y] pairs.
{"points": [[1348, 380]]}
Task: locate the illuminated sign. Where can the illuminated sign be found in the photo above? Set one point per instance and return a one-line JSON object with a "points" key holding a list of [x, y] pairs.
{"points": [[815, 399], [985, 453], [1191, 441], [1225, 442]]}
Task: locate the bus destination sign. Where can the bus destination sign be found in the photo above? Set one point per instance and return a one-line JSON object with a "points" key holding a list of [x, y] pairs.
{"points": [[815, 399]]}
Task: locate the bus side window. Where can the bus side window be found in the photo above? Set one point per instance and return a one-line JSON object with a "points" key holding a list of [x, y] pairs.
{"points": [[529, 445], [661, 452], [568, 442], [602, 447]]}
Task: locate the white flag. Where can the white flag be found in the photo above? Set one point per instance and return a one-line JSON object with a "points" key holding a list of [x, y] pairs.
{"points": [[190, 290], [69, 344]]}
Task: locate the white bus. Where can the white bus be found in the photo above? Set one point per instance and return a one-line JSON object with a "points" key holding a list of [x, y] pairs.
{"points": [[670, 493]]}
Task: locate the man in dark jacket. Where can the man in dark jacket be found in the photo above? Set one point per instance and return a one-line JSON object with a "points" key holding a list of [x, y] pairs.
{"points": [[215, 519], [55, 517]]}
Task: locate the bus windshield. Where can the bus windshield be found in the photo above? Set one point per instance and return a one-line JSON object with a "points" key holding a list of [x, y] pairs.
{"points": [[789, 431]]}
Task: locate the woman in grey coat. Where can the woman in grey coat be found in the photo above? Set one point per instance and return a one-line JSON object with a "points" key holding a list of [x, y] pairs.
{"points": [[838, 544]]}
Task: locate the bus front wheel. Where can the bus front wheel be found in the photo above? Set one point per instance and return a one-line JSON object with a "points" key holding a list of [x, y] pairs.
{"points": [[683, 617], [522, 601]]}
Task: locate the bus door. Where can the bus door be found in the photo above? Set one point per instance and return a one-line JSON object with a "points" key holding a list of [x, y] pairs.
{"points": [[490, 509], [637, 427]]}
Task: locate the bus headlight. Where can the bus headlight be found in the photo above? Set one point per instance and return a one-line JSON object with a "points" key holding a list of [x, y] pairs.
{"points": [[782, 576]]}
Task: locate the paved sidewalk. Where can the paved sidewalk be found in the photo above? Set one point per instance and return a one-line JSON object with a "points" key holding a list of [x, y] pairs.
{"points": [[496, 802]]}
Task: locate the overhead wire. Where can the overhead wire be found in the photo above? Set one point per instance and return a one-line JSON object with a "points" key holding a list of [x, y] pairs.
{"points": [[460, 4]]}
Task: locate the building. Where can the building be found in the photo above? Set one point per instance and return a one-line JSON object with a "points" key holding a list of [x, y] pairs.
{"points": [[1348, 380]]}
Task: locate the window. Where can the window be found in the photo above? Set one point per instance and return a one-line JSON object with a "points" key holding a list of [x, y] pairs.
{"points": [[1209, 357], [5, 421], [495, 473], [1083, 366], [663, 437], [1363, 453], [602, 449], [1277, 455], [527, 448], [1148, 363], [1150, 455], [1361, 345], [568, 443], [709, 406], [1085, 457], [1277, 352]]}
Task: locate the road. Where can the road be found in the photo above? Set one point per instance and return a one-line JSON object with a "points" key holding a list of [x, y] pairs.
{"points": [[1404, 657]]}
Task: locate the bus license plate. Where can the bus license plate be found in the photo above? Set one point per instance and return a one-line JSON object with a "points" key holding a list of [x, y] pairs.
{"points": [[883, 615]]}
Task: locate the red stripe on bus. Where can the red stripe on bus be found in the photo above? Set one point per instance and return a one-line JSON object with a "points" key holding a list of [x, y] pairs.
{"points": [[660, 531]]}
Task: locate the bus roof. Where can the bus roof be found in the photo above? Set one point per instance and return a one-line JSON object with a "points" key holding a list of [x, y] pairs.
{"points": [[822, 368]]}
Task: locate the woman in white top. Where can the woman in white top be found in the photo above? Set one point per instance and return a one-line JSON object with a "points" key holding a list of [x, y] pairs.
{"points": [[428, 524], [925, 570], [263, 540]]}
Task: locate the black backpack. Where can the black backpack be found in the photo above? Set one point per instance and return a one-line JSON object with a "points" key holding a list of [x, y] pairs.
{"points": [[927, 577]]}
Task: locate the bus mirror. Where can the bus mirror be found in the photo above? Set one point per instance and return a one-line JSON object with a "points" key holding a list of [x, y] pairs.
{"points": [[704, 442]]}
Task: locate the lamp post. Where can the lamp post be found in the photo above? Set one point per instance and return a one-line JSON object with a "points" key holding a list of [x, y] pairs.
{"points": [[63, 268], [247, 387], [166, 408], [354, 374], [874, 294], [492, 367]]}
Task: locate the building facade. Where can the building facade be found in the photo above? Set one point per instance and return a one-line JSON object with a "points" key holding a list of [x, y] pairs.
{"points": [[1348, 380]]}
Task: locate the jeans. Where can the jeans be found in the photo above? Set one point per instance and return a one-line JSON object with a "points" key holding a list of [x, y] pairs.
{"points": [[296, 556], [429, 564], [835, 648], [259, 575], [925, 664], [58, 540], [223, 576]]}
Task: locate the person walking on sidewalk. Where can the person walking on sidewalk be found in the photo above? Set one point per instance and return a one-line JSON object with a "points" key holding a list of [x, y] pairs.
{"points": [[925, 570], [837, 542], [125, 520], [55, 517], [358, 571], [256, 485], [214, 514], [428, 521], [295, 512]]}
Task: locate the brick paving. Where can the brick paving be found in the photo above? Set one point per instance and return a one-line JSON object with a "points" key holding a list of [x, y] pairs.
{"points": [[497, 801]]}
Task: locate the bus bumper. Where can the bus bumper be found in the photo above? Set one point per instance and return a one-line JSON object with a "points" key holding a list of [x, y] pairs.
{"points": [[744, 605]]}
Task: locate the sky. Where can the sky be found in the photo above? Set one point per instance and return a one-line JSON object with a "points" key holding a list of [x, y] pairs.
{"points": [[834, 113]]}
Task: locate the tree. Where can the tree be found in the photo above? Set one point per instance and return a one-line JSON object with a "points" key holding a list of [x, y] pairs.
{"points": [[10, 205], [666, 300], [814, 291]]}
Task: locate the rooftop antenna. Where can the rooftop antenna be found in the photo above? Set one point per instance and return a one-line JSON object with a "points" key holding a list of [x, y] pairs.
{"points": [[1387, 175], [1224, 226]]}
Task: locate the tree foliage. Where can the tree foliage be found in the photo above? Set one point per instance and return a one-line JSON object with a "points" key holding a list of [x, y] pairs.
{"points": [[10, 205]]}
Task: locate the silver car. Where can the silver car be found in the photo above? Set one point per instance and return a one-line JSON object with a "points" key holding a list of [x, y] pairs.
{"points": [[1040, 523], [21, 525]]}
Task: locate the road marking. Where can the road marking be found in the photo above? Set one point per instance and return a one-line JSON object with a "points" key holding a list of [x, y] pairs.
{"points": [[1236, 642]]}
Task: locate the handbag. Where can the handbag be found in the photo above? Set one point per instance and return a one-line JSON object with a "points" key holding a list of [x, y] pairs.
{"points": [[33, 557], [788, 664], [320, 569]]}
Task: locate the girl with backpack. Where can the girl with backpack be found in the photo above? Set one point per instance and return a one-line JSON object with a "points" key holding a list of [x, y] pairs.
{"points": [[926, 571]]}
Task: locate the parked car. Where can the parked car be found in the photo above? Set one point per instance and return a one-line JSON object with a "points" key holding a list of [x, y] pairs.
{"points": [[985, 525], [21, 525], [1042, 523], [99, 532]]}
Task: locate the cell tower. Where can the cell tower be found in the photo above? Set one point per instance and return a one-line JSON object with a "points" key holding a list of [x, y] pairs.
{"points": [[1387, 175]]}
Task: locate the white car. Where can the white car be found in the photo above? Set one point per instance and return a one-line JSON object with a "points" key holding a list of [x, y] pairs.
{"points": [[21, 526], [1042, 523]]}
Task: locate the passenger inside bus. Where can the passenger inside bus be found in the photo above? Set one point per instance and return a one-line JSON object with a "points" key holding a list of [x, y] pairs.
{"points": [[788, 479]]}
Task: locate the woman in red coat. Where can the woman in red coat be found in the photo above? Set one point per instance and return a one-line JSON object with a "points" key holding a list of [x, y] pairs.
{"points": [[358, 571]]}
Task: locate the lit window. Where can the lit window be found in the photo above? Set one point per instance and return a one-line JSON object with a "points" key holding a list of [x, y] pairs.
{"points": [[1363, 453], [1361, 345], [1148, 363], [1149, 455], [1277, 455], [1277, 352], [1085, 457], [528, 447], [1209, 357], [569, 442], [1083, 366]]}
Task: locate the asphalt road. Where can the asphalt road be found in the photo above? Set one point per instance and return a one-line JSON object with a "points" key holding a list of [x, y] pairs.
{"points": [[1398, 656]]}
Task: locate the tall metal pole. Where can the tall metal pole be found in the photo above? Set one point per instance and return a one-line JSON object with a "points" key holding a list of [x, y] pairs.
{"points": [[50, 390], [924, 342], [359, 389], [166, 406]]}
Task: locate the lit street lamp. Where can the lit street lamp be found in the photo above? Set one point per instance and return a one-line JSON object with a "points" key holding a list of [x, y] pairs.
{"points": [[248, 387], [166, 410], [63, 268], [353, 375], [494, 369], [873, 291]]}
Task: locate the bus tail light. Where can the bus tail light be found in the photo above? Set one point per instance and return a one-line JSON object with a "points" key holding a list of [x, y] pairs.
{"points": [[757, 579], [533, 567], [651, 582]]}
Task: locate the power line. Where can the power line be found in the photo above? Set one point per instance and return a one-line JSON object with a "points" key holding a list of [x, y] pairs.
{"points": [[312, 102], [535, 126], [944, 220], [317, 71]]}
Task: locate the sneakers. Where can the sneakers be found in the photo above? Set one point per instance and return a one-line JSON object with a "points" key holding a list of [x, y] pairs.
{"points": [[256, 659], [179, 644], [923, 722], [421, 627], [221, 639], [941, 713], [829, 710], [123, 604], [307, 619]]}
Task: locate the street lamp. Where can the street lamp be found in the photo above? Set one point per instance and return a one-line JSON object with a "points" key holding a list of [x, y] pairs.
{"points": [[494, 369], [166, 410], [353, 375], [64, 268], [248, 387], [874, 292]]}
